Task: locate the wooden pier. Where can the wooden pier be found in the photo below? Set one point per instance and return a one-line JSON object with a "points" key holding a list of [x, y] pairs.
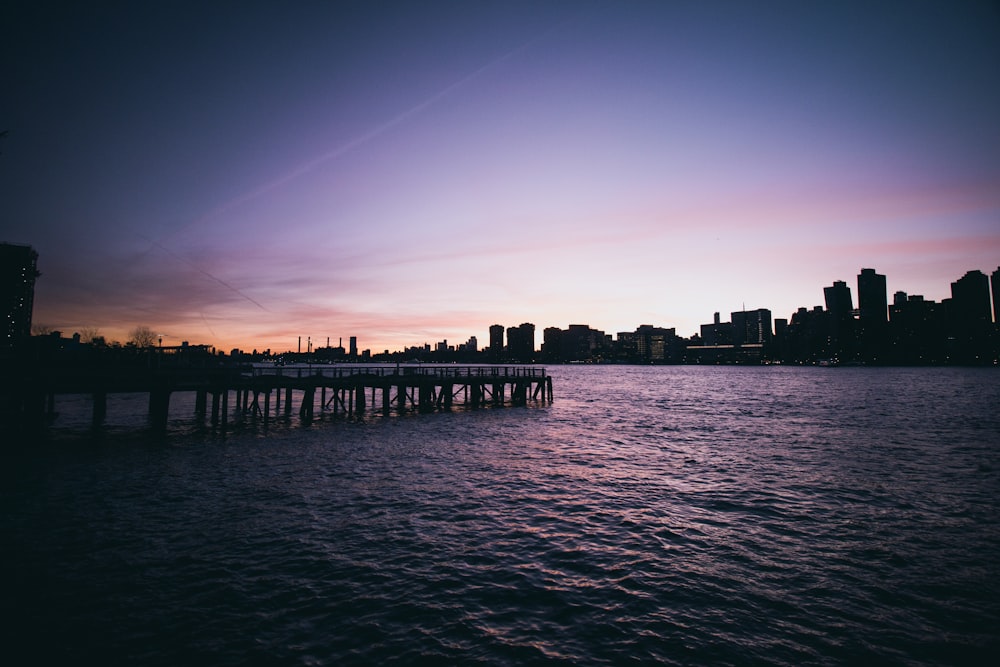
{"points": [[266, 392]]}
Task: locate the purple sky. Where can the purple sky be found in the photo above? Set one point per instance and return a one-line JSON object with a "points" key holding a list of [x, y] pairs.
{"points": [[408, 173]]}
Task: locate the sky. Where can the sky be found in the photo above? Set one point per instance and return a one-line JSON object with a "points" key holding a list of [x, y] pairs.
{"points": [[243, 174]]}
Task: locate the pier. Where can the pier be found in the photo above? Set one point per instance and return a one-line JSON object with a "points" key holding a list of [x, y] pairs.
{"points": [[267, 392]]}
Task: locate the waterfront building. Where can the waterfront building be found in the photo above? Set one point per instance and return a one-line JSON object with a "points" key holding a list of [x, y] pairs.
{"points": [[626, 346], [970, 300], [751, 327], [552, 344], [496, 342], [970, 318], [717, 333], [521, 342], [873, 313], [917, 330], [656, 344], [873, 307], [840, 320], [995, 286], [18, 271], [577, 343]]}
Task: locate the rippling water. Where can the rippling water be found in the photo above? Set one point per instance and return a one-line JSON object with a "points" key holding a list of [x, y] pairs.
{"points": [[681, 515]]}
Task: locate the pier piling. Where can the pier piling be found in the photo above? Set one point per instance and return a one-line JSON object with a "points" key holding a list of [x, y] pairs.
{"points": [[342, 389]]}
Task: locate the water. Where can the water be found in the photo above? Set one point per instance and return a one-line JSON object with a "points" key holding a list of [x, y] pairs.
{"points": [[675, 515]]}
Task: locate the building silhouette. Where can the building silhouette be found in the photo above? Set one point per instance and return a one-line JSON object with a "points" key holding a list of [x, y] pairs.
{"points": [[918, 330], [969, 317], [18, 271], [521, 342], [655, 344], [873, 315], [579, 342], [496, 342], [751, 327], [970, 300], [840, 320], [717, 333], [995, 287]]}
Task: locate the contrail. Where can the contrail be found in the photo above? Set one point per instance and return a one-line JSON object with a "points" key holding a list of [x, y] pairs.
{"points": [[375, 132], [157, 244], [209, 326]]}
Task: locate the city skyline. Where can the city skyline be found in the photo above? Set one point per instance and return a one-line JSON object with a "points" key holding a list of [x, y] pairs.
{"points": [[407, 173], [856, 323]]}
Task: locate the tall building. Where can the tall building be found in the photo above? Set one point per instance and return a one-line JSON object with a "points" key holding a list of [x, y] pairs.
{"points": [[918, 330], [496, 342], [655, 344], [873, 305], [521, 343], [354, 346], [577, 343], [970, 298], [840, 319], [873, 316], [838, 299], [18, 271], [552, 344], [717, 333], [995, 285], [969, 317], [751, 327]]}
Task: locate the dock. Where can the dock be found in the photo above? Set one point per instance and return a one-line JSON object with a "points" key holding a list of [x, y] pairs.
{"points": [[266, 392]]}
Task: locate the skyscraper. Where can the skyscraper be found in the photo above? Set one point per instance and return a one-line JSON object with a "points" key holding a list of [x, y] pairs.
{"points": [[751, 327], [969, 318], [838, 299], [873, 305], [995, 285], [521, 342], [873, 315], [496, 341], [18, 271], [840, 319], [970, 300]]}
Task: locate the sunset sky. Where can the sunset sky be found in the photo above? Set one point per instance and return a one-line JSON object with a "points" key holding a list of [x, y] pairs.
{"points": [[412, 172]]}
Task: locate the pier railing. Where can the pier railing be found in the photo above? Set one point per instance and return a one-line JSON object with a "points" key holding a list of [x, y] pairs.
{"points": [[345, 389], [389, 370]]}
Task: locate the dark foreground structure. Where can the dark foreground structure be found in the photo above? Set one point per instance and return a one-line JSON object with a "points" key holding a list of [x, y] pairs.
{"points": [[266, 392]]}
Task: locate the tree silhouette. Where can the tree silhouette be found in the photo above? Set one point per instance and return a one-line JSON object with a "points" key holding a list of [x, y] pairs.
{"points": [[89, 334], [142, 336]]}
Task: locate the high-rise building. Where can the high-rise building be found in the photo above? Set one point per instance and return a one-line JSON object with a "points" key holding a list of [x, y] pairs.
{"points": [[873, 316], [838, 299], [840, 319], [970, 300], [655, 344], [18, 271], [995, 285], [552, 344], [717, 333], [496, 341], [521, 342], [873, 306], [354, 346], [751, 327], [969, 318]]}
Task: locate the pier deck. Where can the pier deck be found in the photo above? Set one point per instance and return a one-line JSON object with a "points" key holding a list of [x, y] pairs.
{"points": [[266, 392]]}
